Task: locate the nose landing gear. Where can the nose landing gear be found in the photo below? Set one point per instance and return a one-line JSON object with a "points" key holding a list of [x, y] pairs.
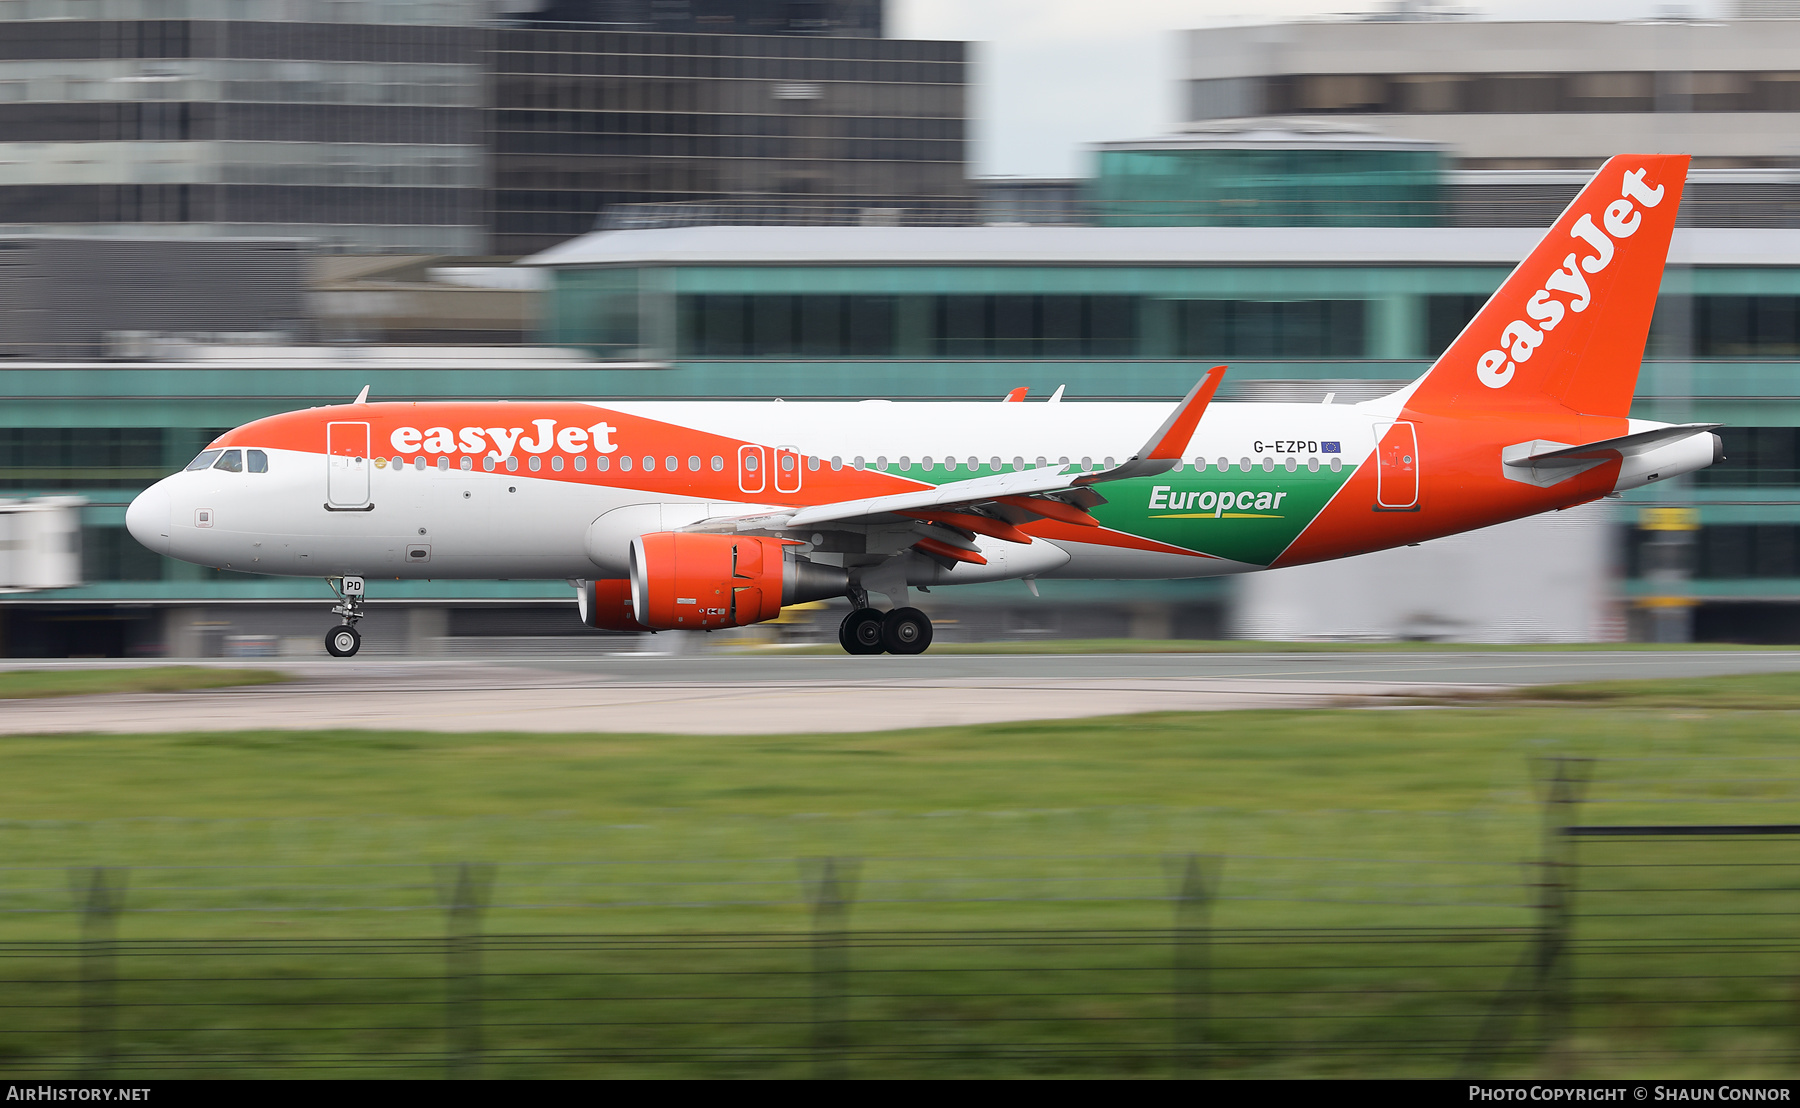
{"points": [[343, 640], [901, 631]]}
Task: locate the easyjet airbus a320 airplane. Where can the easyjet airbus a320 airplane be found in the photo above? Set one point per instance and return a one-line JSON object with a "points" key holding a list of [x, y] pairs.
{"points": [[679, 515]]}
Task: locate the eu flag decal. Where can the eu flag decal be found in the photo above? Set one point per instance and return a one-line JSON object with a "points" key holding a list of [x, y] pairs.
{"points": [[1330, 448]]}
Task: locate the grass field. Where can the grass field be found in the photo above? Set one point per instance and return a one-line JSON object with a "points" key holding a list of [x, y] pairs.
{"points": [[1418, 822], [25, 684], [1743, 692]]}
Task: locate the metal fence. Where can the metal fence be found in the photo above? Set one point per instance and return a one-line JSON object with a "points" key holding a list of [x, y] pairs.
{"points": [[1669, 948]]}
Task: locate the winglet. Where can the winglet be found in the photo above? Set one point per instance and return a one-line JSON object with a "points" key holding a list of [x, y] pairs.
{"points": [[1164, 448], [1016, 395], [362, 397]]}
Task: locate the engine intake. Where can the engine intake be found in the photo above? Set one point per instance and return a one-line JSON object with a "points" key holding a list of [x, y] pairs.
{"points": [[683, 581], [606, 605]]}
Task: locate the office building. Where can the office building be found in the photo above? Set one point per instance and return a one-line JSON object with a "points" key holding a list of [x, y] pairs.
{"points": [[356, 124], [1525, 110], [783, 128], [842, 18], [453, 127]]}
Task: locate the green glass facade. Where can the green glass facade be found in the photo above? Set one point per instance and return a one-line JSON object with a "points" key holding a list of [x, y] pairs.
{"points": [[1154, 186]]}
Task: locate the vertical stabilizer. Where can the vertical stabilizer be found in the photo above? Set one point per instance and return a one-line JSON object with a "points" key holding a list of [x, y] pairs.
{"points": [[1567, 328]]}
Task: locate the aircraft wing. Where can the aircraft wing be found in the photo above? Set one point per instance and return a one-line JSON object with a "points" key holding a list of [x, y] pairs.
{"points": [[1049, 492]]}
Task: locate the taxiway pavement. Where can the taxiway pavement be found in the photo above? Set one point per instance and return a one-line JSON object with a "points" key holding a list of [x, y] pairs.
{"points": [[770, 694]]}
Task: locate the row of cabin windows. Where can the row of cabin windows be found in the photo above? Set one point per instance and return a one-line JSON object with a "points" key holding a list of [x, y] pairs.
{"points": [[788, 463]]}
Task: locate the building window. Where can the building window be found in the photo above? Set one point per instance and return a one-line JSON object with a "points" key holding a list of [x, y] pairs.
{"points": [[1445, 317], [1768, 456], [56, 458], [1030, 326], [1734, 551], [1271, 329], [1495, 93], [729, 325], [1745, 326], [111, 554]]}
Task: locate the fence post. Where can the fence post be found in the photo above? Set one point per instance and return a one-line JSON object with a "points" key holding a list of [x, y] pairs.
{"points": [[830, 885], [1563, 781], [1542, 976], [464, 889], [1197, 881], [100, 893]]}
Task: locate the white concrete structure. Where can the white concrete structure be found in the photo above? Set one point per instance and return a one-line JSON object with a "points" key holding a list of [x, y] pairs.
{"points": [[1522, 95], [40, 543], [1543, 579]]}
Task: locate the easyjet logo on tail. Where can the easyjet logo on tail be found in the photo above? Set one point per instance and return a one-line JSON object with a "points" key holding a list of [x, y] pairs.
{"points": [[1519, 338]]}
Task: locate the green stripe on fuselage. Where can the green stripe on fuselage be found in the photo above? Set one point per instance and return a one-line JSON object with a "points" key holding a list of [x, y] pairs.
{"points": [[1266, 511], [1249, 534]]}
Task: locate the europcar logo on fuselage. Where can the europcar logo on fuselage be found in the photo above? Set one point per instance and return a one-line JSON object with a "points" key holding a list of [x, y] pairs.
{"points": [[1163, 498]]}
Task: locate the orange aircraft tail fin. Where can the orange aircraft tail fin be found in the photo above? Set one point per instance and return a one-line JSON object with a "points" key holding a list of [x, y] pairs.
{"points": [[1568, 326]]}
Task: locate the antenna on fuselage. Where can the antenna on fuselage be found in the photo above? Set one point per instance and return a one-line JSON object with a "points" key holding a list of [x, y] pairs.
{"points": [[362, 397]]}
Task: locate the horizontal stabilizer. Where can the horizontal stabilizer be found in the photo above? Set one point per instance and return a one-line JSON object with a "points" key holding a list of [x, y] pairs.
{"points": [[1531, 455]]}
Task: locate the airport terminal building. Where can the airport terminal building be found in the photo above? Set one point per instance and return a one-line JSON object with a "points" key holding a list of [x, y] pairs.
{"points": [[1322, 314]]}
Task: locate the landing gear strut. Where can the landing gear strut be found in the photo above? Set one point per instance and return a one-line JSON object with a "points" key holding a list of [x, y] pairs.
{"points": [[343, 640], [901, 631]]}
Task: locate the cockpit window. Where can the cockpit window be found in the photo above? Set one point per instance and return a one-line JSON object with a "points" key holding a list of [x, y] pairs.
{"points": [[232, 461], [204, 461], [258, 461]]}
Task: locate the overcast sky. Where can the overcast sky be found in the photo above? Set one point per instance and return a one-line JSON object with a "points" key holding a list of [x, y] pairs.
{"points": [[1052, 75]]}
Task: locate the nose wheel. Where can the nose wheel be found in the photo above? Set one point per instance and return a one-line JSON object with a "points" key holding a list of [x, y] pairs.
{"points": [[343, 641], [901, 631]]}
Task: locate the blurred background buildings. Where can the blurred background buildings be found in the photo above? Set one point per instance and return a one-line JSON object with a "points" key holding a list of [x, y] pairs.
{"points": [[212, 210]]}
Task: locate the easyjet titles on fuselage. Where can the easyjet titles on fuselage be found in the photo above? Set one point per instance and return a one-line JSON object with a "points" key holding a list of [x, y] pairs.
{"points": [[474, 440]]}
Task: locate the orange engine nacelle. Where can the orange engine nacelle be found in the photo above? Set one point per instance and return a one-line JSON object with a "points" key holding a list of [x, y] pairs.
{"points": [[606, 605], [682, 581]]}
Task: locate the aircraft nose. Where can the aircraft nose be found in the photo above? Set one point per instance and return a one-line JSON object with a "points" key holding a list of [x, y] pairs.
{"points": [[148, 518]]}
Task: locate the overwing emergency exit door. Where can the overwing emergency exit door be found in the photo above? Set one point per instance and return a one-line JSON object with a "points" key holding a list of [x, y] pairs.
{"points": [[1396, 467], [347, 465], [753, 471], [787, 470]]}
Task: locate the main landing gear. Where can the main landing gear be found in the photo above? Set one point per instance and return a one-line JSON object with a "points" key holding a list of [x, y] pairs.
{"points": [[343, 640], [901, 631]]}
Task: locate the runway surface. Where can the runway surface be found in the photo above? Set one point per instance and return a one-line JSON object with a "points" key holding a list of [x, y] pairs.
{"points": [[767, 694]]}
